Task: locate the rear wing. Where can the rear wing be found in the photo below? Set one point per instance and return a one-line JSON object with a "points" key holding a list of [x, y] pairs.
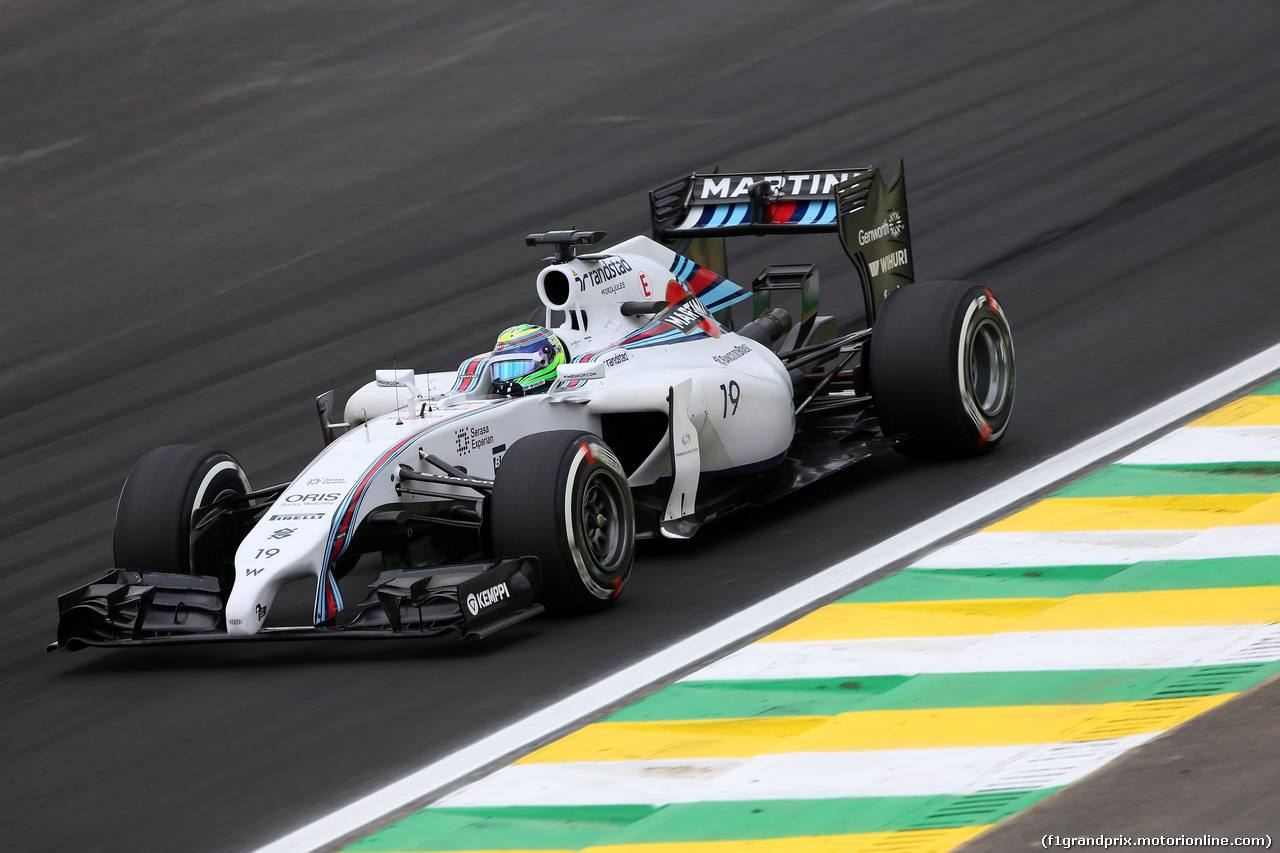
{"points": [[869, 215]]}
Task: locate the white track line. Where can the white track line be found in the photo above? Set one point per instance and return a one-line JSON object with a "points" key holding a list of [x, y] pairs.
{"points": [[421, 786]]}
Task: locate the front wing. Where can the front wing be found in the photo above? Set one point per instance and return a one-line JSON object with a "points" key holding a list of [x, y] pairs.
{"points": [[132, 608]]}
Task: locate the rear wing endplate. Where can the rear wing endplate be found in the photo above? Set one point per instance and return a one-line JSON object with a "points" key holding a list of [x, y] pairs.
{"points": [[869, 215]]}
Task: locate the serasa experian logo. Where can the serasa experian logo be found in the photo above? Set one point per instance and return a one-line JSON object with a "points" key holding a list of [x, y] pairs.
{"points": [[477, 601]]}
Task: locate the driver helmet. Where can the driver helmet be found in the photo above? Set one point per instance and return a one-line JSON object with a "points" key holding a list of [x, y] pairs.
{"points": [[524, 360]]}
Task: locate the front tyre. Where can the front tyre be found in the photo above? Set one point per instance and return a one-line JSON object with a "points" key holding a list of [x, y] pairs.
{"points": [[563, 497], [159, 498], [942, 369]]}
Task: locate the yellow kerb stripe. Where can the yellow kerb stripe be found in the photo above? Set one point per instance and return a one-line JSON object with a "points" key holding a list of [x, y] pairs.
{"points": [[1261, 410], [916, 841], [911, 841], [1255, 605], [917, 728], [1154, 512]]}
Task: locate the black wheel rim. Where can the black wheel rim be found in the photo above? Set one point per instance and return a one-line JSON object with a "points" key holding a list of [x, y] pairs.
{"points": [[604, 525], [989, 368]]}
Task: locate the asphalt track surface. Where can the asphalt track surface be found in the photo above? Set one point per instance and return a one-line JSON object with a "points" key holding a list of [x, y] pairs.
{"points": [[214, 211]]}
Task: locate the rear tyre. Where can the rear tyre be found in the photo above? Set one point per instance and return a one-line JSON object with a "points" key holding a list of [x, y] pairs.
{"points": [[563, 497], [942, 369], [163, 491]]}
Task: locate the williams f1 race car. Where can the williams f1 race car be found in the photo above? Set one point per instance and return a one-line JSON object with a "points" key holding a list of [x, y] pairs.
{"points": [[521, 481]]}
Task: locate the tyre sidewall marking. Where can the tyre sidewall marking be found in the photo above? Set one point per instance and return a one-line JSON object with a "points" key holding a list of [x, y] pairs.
{"points": [[210, 476], [993, 427], [224, 465], [605, 458]]}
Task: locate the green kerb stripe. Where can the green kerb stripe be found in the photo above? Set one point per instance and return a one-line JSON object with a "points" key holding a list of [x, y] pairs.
{"points": [[1062, 581], [708, 700], [1271, 389], [1222, 573], [575, 827], [1209, 479], [952, 584], [505, 828]]}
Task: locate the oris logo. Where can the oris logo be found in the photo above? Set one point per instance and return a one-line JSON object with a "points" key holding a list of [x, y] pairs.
{"points": [[478, 601], [327, 498]]}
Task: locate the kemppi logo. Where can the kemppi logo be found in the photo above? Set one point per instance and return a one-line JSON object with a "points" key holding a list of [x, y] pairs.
{"points": [[478, 601]]}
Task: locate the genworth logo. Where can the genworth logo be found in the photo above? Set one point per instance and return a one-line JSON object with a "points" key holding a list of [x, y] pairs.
{"points": [[892, 227]]}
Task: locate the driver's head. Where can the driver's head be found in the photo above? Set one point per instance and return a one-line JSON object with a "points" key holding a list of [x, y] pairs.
{"points": [[524, 360]]}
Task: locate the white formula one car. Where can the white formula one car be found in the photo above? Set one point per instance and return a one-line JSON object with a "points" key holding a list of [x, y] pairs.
{"points": [[491, 496]]}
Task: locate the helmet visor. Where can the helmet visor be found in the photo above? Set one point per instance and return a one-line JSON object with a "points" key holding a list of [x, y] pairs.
{"points": [[514, 368]]}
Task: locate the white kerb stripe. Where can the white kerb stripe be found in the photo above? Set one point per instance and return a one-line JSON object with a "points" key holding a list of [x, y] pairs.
{"points": [[336, 824], [786, 776], [1207, 445], [998, 549], [1015, 651], [995, 550]]}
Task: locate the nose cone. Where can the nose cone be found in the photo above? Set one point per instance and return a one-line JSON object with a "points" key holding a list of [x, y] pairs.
{"points": [[245, 615], [283, 547]]}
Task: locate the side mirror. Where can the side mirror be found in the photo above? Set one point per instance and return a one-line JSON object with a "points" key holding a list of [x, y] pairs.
{"points": [[397, 378], [324, 405]]}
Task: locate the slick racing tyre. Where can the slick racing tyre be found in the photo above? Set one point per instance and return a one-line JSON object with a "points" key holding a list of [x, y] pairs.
{"points": [[563, 497], [942, 370], [163, 491]]}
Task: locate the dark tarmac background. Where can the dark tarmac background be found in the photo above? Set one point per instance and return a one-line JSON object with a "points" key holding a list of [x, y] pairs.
{"points": [[211, 212]]}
